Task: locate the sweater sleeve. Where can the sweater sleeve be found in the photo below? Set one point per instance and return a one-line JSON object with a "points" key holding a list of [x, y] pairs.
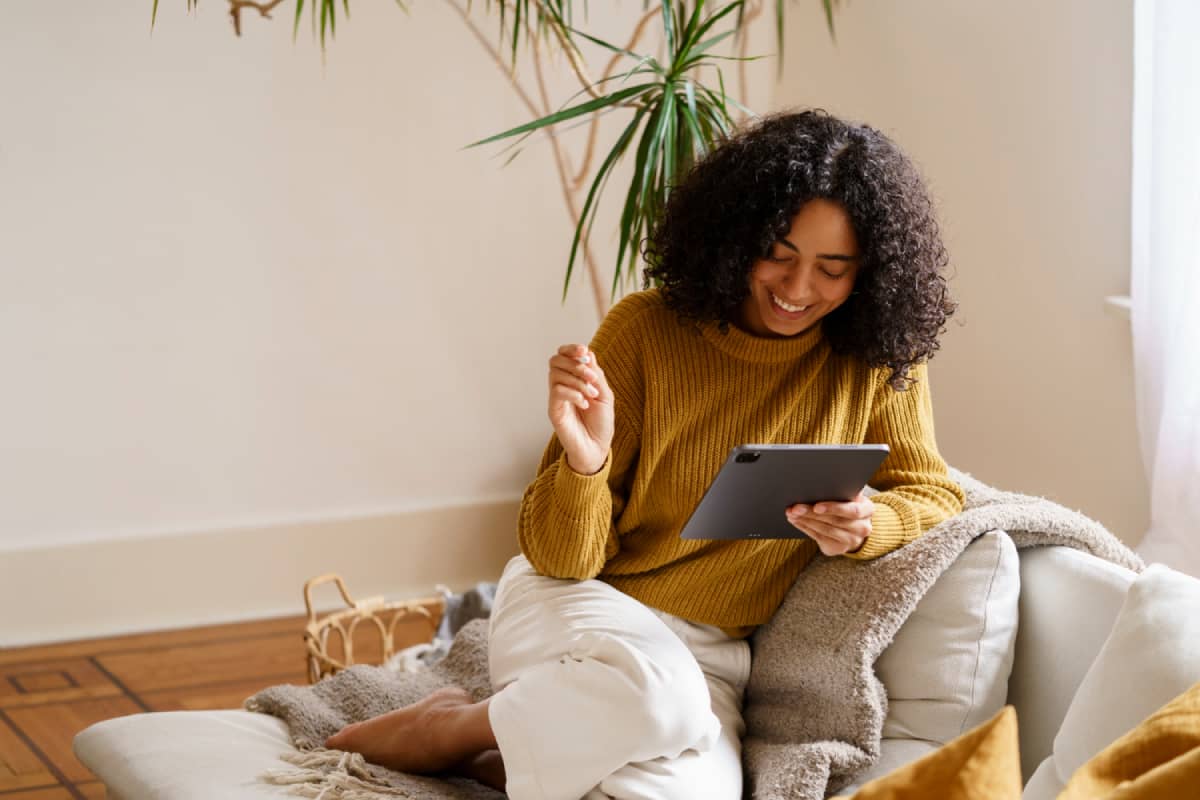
{"points": [[567, 522], [915, 490]]}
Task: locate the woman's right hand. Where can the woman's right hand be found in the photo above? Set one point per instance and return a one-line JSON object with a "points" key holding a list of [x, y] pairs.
{"points": [[581, 407]]}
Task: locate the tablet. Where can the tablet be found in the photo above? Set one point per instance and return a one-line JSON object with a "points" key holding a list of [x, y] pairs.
{"points": [[758, 482]]}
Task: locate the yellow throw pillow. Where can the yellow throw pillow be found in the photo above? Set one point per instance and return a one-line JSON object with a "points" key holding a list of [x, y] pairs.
{"points": [[982, 764], [1157, 759]]}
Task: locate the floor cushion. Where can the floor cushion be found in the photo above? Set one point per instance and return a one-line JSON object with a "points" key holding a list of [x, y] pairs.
{"points": [[186, 755]]}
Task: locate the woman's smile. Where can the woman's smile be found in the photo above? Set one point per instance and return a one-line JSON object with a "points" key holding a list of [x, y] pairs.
{"points": [[791, 310]]}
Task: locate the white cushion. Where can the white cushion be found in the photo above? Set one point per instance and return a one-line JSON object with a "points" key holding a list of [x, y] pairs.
{"points": [[186, 755], [1151, 656], [1069, 602], [947, 669]]}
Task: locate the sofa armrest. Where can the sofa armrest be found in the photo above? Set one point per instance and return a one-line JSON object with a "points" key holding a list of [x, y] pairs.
{"points": [[1069, 601]]}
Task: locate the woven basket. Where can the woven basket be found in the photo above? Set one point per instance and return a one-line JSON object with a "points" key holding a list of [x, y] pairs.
{"points": [[375, 626]]}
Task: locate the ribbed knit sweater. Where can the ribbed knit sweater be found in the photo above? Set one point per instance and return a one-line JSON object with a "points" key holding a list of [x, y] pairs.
{"points": [[684, 395]]}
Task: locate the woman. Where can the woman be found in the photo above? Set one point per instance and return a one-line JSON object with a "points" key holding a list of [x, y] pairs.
{"points": [[801, 291]]}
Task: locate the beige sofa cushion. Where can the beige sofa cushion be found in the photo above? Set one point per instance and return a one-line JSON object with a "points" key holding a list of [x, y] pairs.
{"points": [[1151, 656], [946, 672]]}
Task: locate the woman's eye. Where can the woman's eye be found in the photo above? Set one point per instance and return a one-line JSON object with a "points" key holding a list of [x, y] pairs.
{"points": [[778, 259], [834, 275]]}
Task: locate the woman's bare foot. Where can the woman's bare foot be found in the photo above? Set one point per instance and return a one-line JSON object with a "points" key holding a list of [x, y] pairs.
{"points": [[487, 768], [444, 729]]}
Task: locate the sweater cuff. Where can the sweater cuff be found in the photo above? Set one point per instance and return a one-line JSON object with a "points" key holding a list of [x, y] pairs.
{"points": [[890, 530], [577, 494]]}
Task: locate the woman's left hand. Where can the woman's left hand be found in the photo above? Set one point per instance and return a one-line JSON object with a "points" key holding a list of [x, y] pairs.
{"points": [[836, 527]]}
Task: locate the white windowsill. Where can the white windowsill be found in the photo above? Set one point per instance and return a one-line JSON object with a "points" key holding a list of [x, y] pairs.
{"points": [[1119, 304]]}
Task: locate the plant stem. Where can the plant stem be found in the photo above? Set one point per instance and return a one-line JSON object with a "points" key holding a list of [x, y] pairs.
{"points": [[598, 294], [581, 175], [235, 11]]}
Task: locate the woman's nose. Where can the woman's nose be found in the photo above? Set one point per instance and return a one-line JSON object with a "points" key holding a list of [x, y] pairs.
{"points": [[798, 283]]}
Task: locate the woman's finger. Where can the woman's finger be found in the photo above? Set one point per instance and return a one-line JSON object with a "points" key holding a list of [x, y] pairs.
{"points": [[568, 363], [573, 351], [583, 388], [834, 547], [560, 395], [847, 538], [573, 367], [586, 367], [829, 531], [828, 546], [850, 510]]}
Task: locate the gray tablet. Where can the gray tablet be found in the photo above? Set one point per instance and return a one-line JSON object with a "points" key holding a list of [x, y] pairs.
{"points": [[758, 482]]}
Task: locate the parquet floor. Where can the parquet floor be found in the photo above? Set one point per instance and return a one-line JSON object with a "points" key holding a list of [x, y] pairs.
{"points": [[50, 693]]}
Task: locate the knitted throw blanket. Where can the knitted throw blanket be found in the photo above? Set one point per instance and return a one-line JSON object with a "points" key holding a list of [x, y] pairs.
{"points": [[817, 654]]}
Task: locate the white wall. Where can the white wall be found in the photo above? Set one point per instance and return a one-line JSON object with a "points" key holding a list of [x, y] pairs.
{"points": [[1019, 115]]}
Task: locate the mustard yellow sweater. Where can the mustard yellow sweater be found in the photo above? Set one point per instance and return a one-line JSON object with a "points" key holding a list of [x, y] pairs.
{"points": [[683, 398]]}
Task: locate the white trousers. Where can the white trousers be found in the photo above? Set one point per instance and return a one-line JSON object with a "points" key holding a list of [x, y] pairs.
{"points": [[599, 696]]}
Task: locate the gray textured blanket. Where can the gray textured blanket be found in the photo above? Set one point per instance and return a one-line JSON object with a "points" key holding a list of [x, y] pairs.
{"points": [[816, 654]]}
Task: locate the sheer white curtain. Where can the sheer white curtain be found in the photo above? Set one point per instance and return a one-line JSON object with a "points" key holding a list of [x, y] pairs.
{"points": [[1166, 272]]}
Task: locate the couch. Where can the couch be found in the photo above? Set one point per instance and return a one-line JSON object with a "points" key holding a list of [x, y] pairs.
{"points": [[1069, 605]]}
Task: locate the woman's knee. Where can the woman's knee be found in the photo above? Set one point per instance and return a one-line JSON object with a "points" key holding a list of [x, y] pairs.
{"points": [[662, 696]]}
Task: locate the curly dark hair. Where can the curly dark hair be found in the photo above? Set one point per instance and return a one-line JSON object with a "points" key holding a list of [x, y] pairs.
{"points": [[735, 203]]}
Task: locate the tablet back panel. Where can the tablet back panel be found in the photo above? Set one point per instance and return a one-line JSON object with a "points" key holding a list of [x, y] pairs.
{"points": [[757, 482]]}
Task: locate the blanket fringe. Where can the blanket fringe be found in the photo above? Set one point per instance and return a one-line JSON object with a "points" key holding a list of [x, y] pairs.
{"points": [[329, 775]]}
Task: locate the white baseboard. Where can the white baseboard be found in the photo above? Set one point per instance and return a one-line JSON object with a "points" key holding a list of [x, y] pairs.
{"points": [[107, 588]]}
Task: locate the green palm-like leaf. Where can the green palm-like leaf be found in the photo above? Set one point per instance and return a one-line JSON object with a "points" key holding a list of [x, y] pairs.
{"points": [[829, 4], [589, 207], [569, 113], [676, 120], [668, 18], [697, 28]]}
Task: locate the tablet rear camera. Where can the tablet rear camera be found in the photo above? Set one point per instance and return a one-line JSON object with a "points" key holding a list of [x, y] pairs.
{"points": [[746, 458]]}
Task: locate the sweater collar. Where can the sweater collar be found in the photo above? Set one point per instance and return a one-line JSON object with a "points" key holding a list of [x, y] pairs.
{"points": [[764, 350]]}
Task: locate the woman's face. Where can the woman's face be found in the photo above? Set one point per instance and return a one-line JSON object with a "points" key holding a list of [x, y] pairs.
{"points": [[806, 275]]}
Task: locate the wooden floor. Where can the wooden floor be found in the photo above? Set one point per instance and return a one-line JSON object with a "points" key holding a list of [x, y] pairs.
{"points": [[50, 693]]}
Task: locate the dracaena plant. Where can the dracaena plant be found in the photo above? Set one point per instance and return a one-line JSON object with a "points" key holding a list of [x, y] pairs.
{"points": [[674, 116]]}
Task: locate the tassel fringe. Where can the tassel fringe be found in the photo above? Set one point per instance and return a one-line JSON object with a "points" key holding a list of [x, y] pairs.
{"points": [[330, 775]]}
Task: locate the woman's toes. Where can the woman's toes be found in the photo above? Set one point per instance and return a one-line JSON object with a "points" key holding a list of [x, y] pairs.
{"points": [[336, 741]]}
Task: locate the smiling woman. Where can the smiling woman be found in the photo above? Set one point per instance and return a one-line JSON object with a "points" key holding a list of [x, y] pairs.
{"points": [[800, 295]]}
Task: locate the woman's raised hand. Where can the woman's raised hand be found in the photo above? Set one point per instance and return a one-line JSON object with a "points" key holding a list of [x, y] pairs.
{"points": [[581, 407]]}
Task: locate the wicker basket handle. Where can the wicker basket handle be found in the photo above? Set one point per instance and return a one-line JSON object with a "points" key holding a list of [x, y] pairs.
{"points": [[312, 583]]}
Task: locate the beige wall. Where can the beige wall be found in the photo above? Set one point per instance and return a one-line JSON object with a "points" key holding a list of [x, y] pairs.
{"points": [[261, 319], [261, 314], [240, 292], [1019, 114], [239, 289]]}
